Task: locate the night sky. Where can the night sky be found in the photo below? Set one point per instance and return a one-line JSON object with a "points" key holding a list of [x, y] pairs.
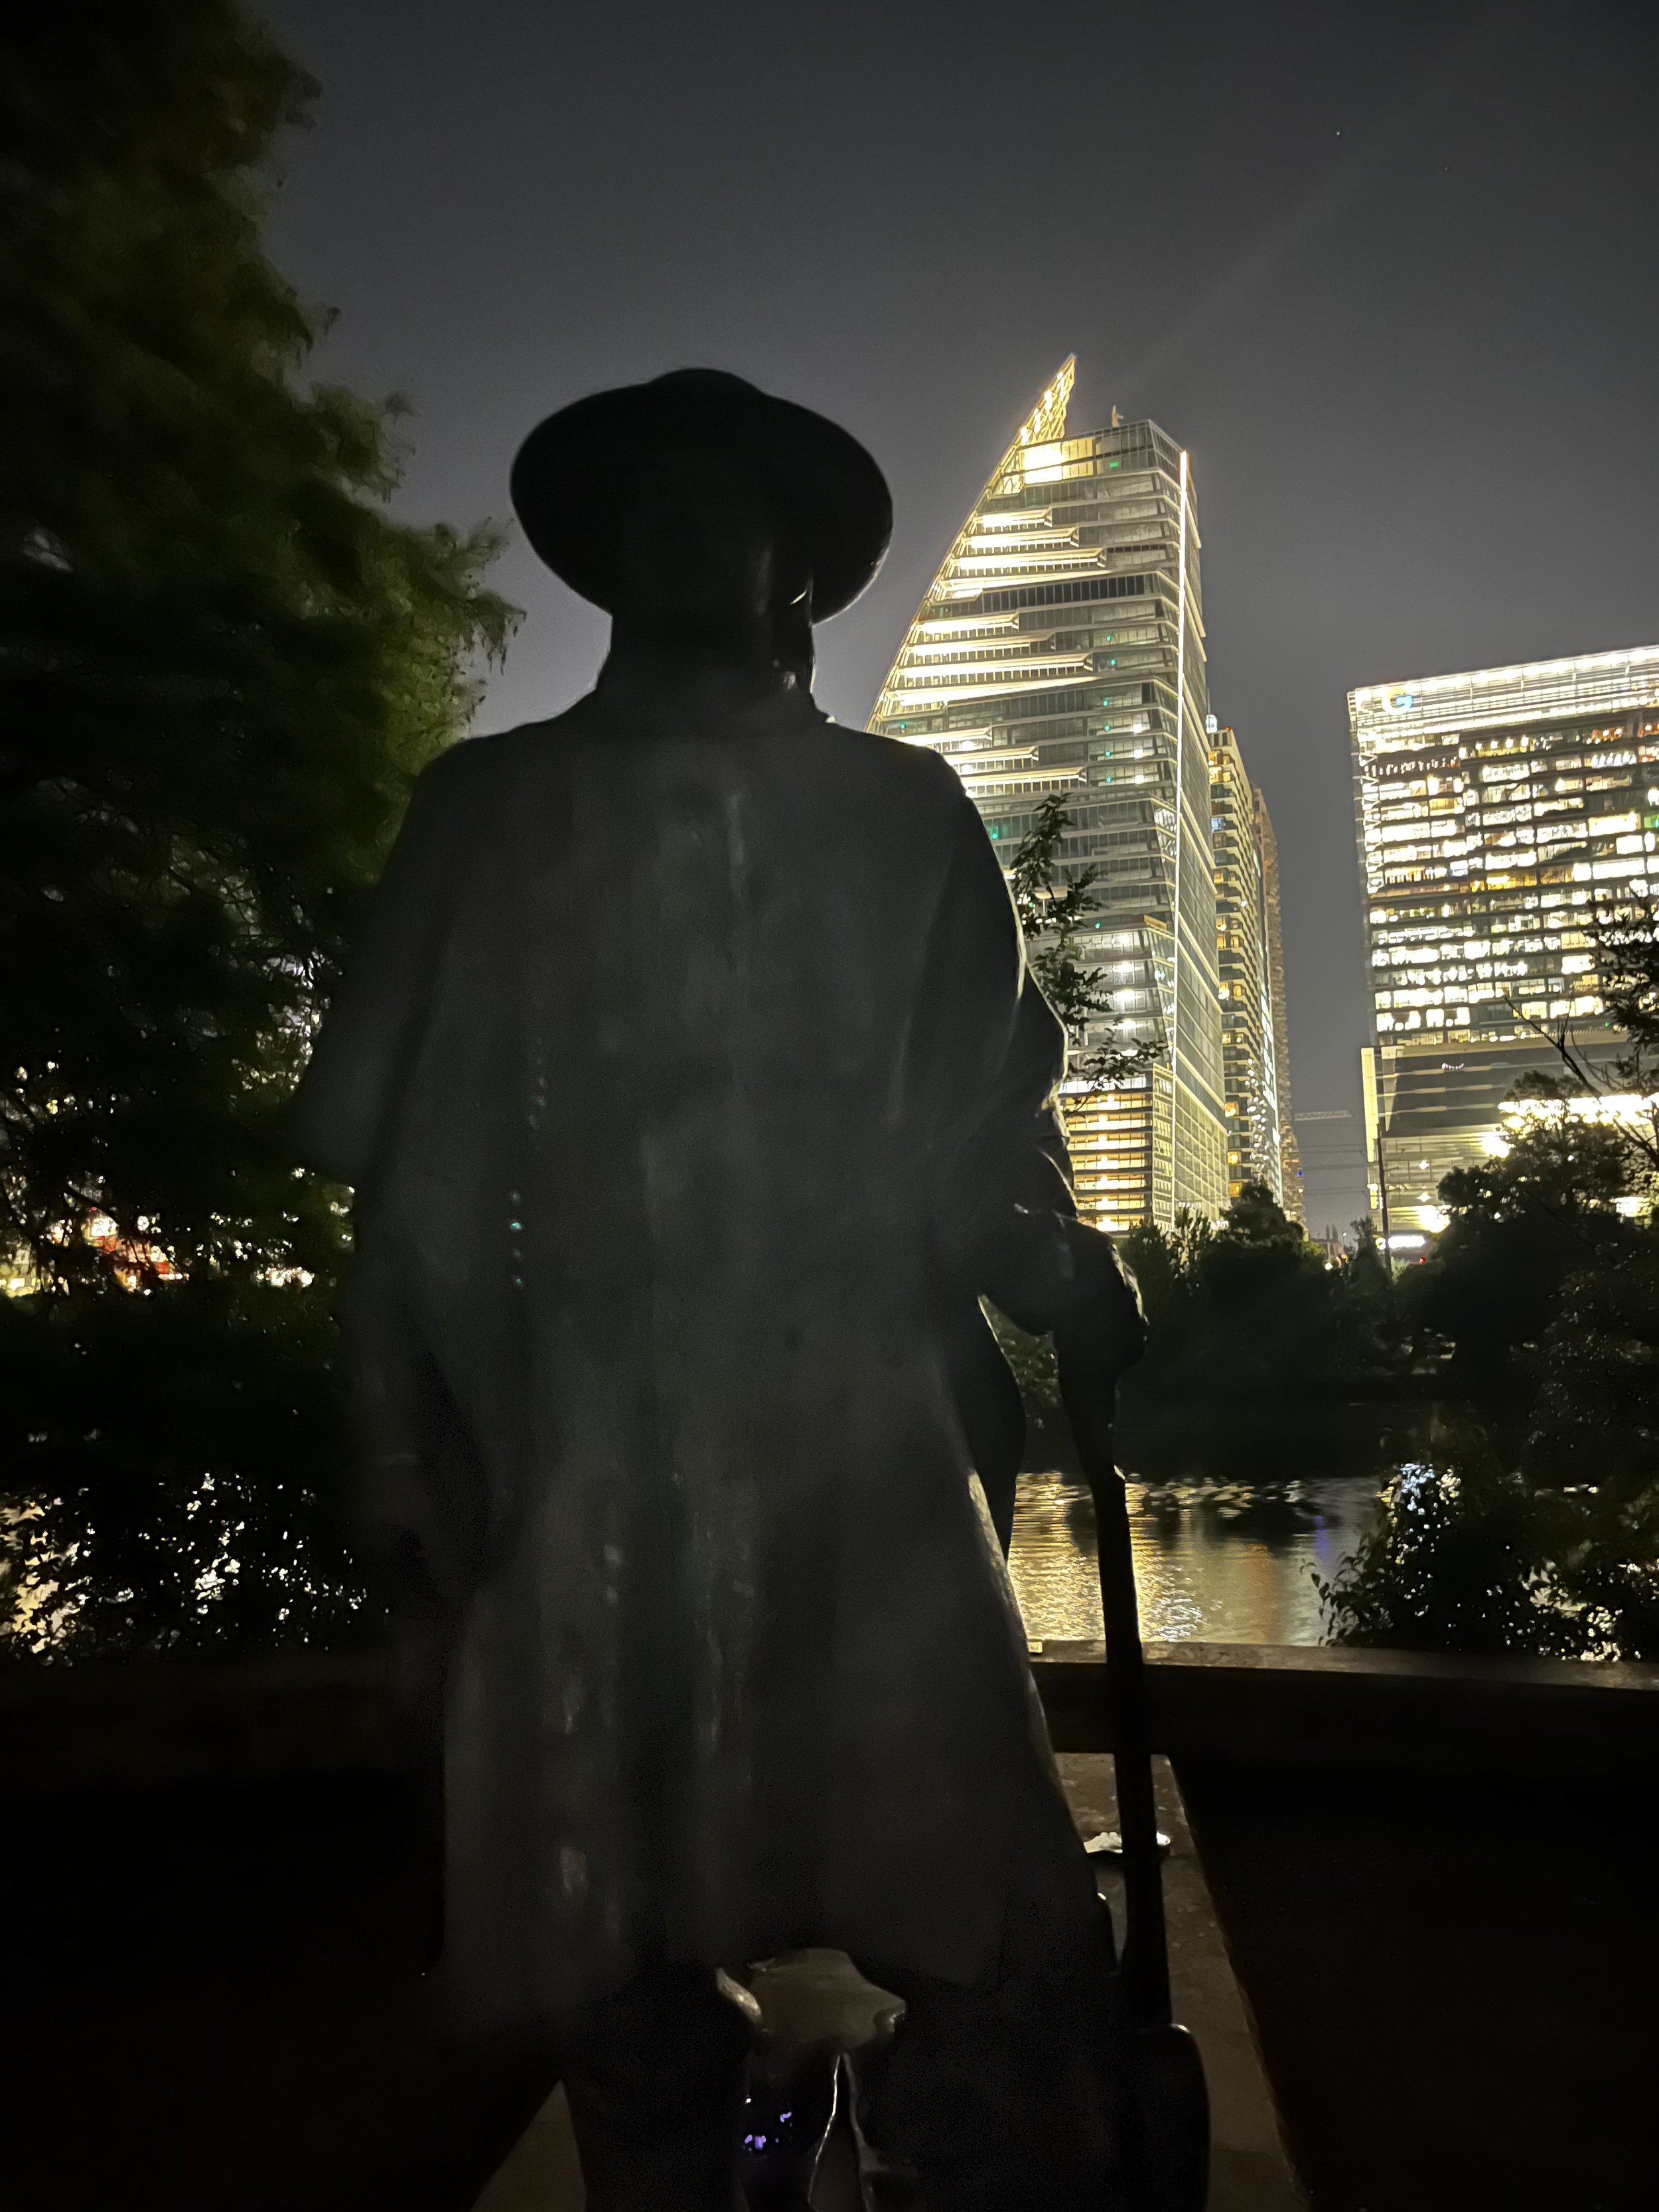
{"points": [[1392, 275]]}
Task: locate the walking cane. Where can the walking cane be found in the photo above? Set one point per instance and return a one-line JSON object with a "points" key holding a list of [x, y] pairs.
{"points": [[1168, 2114]]}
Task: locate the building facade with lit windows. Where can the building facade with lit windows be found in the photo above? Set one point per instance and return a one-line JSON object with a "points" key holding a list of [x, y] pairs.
{"points": [[1250, 1055], [1061, 649], [1494, 809], [1290, 1159]]}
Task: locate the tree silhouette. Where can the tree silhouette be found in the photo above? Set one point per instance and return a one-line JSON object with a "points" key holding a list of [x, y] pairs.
{"points": [[222, 662], [1054, 905]]}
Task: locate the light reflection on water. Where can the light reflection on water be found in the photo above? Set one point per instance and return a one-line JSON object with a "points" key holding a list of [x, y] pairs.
{"points": [[1215, 1563]]}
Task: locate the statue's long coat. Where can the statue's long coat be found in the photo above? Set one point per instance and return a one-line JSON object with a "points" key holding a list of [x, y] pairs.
{"points": [[687, 1046]]}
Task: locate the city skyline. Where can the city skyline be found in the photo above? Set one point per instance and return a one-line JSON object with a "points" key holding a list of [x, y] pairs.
{"points": [[1375, 297]]}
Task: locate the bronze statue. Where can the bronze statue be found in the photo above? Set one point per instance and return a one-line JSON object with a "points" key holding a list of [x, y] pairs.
{"points": [[692, 1090]]}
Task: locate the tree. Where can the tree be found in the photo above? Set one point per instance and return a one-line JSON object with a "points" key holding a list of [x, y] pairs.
{"points": [[1053, 908], [1520, 1225], [1624, 933], [1597, 1404], [1250, 1325], [1627, 941], [222, 662], [1162, 1267], [1054, 905], [1378, 1350], [1534, 1526], [1463, 1560], [1473, 1552]]}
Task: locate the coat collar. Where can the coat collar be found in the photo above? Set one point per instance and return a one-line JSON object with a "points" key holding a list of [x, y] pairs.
{"points": [[646, 694]]}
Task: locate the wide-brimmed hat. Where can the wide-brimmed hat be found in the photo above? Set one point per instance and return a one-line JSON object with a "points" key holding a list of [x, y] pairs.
{"points": [[830, 497]]}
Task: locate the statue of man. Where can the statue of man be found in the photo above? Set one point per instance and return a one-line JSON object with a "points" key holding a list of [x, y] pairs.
{"points": [[692, 1089]]}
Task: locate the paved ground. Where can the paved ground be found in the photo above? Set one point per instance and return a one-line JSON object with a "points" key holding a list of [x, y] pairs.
{"points": [[213, 2000], [1250, 2170], [818, 1995], [215, 2004]]}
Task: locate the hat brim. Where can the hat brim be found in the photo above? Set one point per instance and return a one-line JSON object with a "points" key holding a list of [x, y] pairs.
{"points": [[830, 496]]}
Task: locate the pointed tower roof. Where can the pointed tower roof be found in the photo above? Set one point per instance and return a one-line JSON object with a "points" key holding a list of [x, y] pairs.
{"points": [[1008, 547]]}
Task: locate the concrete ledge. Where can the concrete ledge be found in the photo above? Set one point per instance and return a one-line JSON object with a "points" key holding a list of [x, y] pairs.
{"points": [[150, 1724], [154, 1723], [1267, 1706]]}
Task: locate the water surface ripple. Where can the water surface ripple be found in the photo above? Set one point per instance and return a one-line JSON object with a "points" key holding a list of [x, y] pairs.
{"points": [[1215, 1562]]}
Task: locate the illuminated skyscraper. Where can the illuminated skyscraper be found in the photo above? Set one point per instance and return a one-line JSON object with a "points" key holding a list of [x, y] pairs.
{"points": [[1249, 1057], [1290, 1159], [1494, 808], [1061, 648]]}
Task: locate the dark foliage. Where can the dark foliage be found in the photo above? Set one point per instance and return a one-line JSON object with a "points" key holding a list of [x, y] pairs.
{"points": [[1472, 1553], [1596, 1410], [1533, 1526], [1463, 1560], [1520, 1227], [221, 663], [182, 1465], [1247, 1313]]}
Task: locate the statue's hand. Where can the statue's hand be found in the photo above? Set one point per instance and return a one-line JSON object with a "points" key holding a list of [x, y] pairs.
{"points": [[1090, 1361], [1051, 1273], [1102, 1333]]}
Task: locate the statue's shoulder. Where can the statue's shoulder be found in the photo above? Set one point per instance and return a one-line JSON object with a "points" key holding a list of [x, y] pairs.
{"points": [[911, 787], [473, 764], [917, 768]]}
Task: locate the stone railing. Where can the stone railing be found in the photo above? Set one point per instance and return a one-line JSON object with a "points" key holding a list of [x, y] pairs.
{"points": [[1341, 1708]]}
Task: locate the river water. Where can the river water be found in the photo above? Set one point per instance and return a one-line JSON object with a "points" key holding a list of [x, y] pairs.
{"points": [[1215, 1562]]}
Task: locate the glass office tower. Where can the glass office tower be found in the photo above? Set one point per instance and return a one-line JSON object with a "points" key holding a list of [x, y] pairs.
{"points": [[1061, 648], [1493, 809], [1290, 1159], [1250, 1055]]}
